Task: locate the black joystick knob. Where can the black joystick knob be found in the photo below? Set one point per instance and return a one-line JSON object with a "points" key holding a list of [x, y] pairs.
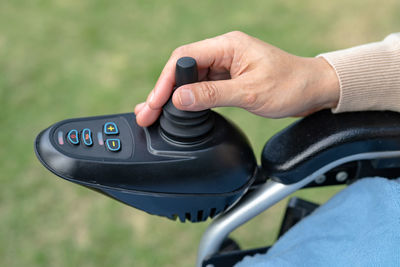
{"points": [[185, 126]]}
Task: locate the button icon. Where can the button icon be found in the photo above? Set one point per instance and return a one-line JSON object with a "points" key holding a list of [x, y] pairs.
{"points": [[73, 137], [87, 137], [113, 145], [110, 128]]}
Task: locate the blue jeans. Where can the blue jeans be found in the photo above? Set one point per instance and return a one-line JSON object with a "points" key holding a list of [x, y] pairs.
{"points": [[359, 226]]}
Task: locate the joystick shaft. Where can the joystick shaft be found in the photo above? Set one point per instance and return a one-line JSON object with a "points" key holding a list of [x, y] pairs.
{"points": [[185, 126]]}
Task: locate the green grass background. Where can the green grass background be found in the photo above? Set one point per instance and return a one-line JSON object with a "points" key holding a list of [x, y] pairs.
{"points": [[72, 58]]}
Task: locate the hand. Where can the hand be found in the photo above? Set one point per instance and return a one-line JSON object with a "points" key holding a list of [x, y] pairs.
{"points": [[236, 69]]}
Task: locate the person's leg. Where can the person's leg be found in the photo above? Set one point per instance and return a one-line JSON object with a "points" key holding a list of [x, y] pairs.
{"points": [[360, 226]]}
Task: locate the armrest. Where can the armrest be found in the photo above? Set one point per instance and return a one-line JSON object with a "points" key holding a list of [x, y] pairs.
{"points": [[322, 138], [296, 156]]}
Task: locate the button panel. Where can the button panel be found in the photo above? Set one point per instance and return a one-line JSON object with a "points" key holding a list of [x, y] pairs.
{"points": [[87, 137], [73, 137], [110, 128], [114, 144]]}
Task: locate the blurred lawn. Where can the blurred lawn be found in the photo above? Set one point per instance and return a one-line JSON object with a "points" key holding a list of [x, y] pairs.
{"points": [[70, 58]]}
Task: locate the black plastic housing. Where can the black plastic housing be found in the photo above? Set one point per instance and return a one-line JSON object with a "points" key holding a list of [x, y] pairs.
{"points": [[192, 181]]}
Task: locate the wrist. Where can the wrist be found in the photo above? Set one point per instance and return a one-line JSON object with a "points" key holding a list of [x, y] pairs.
{"points": [[324, 83]]}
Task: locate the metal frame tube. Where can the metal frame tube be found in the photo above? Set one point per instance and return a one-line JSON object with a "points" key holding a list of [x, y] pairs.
{"points": [[261, 199]]}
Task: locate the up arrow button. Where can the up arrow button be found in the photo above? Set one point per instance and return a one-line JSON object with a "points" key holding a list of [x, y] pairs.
{"points": [[110, 128]]}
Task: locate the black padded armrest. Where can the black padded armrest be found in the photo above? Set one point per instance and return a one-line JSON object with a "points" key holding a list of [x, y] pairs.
{"points": [[317, 140]]}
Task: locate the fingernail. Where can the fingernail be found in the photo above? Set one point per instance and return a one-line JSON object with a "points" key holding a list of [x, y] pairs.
{"points": [[186, 97]]}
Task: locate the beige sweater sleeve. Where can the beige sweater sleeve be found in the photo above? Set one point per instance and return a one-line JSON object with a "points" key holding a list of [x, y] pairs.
{"points": [[369, 75]]}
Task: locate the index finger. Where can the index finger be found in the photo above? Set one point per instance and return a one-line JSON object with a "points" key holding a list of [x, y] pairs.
{"points": [[209, 53]]}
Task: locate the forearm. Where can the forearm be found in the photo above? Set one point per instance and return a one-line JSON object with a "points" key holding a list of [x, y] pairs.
{"points": [[369, 75]]}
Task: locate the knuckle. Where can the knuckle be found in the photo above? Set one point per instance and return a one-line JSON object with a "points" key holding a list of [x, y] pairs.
{"points": [[236, 34], [179, 50], [210, 94], [249, 100]]}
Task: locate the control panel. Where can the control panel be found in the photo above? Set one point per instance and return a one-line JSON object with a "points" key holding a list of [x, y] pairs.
{"points": [[95, 138], [191, 165]]}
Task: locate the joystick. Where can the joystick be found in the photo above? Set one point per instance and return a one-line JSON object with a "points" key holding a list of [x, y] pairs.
{"points": [[187, 165], [185, 126]]}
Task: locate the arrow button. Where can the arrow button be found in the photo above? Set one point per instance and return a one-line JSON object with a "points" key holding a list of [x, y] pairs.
{"points": [[113, 145]]}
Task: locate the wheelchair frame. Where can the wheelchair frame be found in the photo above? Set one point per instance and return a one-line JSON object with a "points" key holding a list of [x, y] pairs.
{"points": [[382, 128]]}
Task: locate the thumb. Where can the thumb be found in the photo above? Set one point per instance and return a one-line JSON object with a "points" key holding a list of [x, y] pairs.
{"points": [[209, 94]]}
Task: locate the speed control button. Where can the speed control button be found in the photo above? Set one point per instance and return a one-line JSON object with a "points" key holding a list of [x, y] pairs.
{"points": [[113, 145], [110, 128], [73, 137], [87, 137]]}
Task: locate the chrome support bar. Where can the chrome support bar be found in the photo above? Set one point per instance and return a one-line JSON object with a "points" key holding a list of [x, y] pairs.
{"points": [[261, 199]]}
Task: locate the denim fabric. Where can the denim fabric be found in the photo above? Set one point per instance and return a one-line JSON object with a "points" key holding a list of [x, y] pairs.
{"points": [[360, 226]]}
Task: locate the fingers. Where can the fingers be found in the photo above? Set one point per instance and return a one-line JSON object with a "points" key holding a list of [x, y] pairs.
{"points": [[203, 95], [164, 85], [147, 116], [195, 97], [210, 53], [139, 107], [214, 59]]}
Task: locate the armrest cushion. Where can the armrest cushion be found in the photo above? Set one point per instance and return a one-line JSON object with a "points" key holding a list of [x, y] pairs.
{"points": [[321, 138]]}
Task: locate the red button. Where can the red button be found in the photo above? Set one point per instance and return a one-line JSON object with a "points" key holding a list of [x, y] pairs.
{"points": [[87, 137], [73, 137]]}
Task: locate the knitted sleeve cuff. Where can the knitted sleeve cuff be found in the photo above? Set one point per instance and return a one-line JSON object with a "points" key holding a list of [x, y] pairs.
{"points": [[369, 75]]}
